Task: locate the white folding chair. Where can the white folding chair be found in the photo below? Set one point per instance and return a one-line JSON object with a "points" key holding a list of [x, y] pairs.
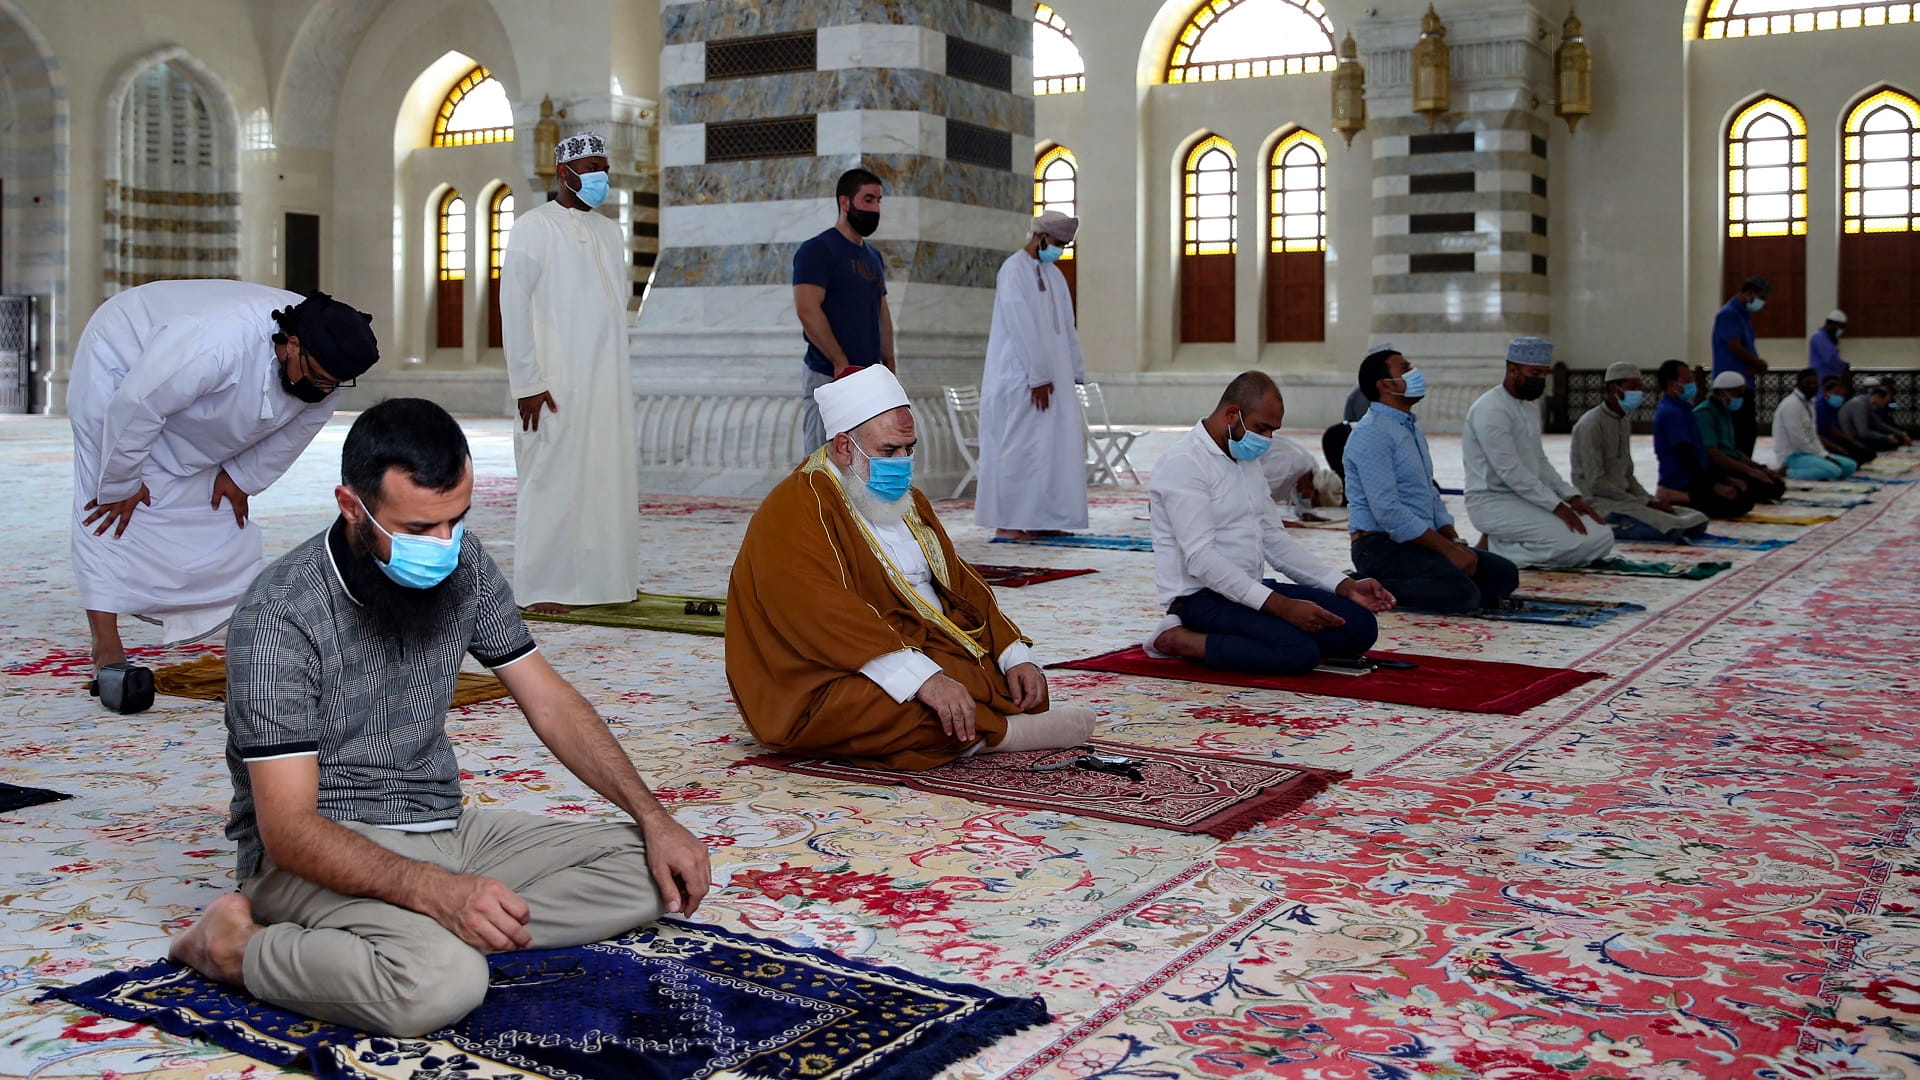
{"points": [[963, 416], [1110, 444]]}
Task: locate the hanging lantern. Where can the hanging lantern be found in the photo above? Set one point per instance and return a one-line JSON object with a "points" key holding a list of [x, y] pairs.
{"points": [[546, 136], [1432, 69], [1572, 75], [1349, 92]]}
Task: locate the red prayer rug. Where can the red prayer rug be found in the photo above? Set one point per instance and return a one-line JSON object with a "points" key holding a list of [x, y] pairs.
{"points": [[1440, 682], [1012, 577], [1179, 790]]}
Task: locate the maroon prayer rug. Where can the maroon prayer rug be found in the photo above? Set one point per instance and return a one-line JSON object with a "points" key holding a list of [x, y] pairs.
{"points": [[1439, 682], [1179, 790], [1012, 577]]}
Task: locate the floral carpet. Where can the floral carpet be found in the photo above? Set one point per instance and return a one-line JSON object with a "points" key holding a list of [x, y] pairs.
{"points": [[1701, 866]]}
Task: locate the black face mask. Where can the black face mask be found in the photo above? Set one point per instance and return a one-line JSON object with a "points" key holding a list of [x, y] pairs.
{"points": [[303, 389], [1531, 388], [863, 221]]}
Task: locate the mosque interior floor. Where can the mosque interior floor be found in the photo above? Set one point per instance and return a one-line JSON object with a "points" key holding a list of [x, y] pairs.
{"points": [[1701, 866]]}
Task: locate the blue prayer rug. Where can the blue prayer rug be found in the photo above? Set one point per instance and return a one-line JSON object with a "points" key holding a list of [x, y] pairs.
{"points": [[1549, 611], [674, 1001], [1086, 540], [1743, 543]]}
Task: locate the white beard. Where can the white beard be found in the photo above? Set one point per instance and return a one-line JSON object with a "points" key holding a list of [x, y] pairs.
{"points": [[871, 506]]}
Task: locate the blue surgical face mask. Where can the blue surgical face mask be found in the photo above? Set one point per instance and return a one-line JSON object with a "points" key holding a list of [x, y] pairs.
{"points": [[593, 188], [1756, 303], [1416, 384], [1734, 403], [1632, 399], [1250, 446], [1050, 253], [1834, 401], [1690, 391], [419, 562], [887, 477]]}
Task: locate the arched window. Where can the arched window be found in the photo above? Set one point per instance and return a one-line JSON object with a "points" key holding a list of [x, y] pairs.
{"points": [[1767, 211], [1209, 229], [499, 224], [1057, 68], [1056, 186], [1752, 18], [1248, 39], [1297, 239], [475, 111], [450, 263], [1880, 216]]}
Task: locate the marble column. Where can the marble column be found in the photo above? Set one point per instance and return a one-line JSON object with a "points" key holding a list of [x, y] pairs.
{"points": [[1461, 220], [935, 97]]}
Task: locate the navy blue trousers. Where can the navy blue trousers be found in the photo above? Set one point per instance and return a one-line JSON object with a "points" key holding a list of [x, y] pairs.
{"points": [[1241, 638]]}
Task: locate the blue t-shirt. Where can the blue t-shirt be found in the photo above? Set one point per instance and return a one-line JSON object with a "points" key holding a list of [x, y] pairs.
{"points": [[855, 280], [1733, 321], [1678, 445]]}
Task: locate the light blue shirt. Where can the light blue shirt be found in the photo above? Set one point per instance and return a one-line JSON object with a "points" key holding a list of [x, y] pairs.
{"points": [[1390, 477]]}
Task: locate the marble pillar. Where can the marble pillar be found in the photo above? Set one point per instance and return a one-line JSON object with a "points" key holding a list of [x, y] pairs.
{"points": [[763, 107], [1461, 221]]}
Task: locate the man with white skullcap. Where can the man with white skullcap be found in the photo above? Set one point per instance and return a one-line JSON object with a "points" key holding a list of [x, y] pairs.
{"points": [[1727, 396], [563, 321], [1603, 466], [1033, 473], [1688, 475], [1861, 418], [1823, 346], [854, 631], [1526, 510]]}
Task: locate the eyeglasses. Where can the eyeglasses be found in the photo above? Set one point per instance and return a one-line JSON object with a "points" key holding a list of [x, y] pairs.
{"points": [[325, 385]]}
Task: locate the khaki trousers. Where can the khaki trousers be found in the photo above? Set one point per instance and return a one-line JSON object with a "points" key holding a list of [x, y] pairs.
{"points": [[384, 969]]}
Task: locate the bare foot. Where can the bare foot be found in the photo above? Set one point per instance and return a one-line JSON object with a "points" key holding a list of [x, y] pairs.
{"points": [[1182, 642], [103, 627], [1482, 542], [545, 608], [217, 944], [1012, 534]]}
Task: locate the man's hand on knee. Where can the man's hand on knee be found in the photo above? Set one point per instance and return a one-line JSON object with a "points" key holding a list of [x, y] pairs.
{"points": [[951, 702], [1029, 686], [479, 910], [1304, 614], [678, 862]]}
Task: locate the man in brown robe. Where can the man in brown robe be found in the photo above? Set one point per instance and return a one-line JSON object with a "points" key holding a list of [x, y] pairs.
{"points": [[855, 632]]}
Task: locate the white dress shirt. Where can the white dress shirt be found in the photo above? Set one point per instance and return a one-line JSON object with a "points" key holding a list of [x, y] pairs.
{"points": [[902, 673], [1794, 430], [1214, 521]]}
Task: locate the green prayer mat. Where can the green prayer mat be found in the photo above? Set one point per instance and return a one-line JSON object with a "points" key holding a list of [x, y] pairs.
{"points": [[647, 611], [1630, 568]]}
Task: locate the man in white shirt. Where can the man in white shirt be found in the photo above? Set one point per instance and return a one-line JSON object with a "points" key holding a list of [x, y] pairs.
{"points": [[854, 631], [1214, 522], [1528, 512], [1797, 446]]}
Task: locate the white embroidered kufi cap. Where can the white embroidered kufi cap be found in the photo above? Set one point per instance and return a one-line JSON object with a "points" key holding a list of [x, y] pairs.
{"points": [[854, 399]]}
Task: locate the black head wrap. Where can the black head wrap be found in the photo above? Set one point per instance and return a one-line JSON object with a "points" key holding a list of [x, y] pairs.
{"points": [[339, 337]]}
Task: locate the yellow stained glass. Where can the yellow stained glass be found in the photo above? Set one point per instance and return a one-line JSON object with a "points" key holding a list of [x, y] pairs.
{"points": [[1880, 171], [1762, 140], [1754, 18], [1252, 39], [474, 112], [1209, 206]]}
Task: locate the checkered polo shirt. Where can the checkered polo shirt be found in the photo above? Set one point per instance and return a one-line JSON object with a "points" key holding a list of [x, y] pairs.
{"points": [[308, 675]]}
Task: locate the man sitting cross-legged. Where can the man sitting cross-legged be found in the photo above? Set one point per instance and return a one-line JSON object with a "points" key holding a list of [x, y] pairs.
{"points": [[1603, 466], [1213, 524], [1403, 535], [853, 629], [1688, 475], [380, 896], [1726, 396]]}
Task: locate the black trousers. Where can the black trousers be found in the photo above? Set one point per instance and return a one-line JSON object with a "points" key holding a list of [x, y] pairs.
{"points": [[1420, 577], [1703, 498], [1746, 428]]}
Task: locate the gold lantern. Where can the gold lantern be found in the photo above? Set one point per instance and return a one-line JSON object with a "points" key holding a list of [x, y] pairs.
{"points": [[1572, 75], [1432, 69], [546, 136], [1349, 92]]}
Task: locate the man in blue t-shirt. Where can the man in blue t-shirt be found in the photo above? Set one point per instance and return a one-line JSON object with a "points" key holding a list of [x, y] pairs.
{"points": [[840, 294], [1733, 350]]}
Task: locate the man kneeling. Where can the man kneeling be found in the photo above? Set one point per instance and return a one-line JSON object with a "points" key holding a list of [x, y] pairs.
{"points": [[854, 631], [1213, 522], [380, 896]]}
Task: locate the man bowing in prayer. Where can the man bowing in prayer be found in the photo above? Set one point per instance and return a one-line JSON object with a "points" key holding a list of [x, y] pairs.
{"points": [[1214, 524], [563, 321], [1033, 471], [1529, 514], [855, 632], [188, 398]]}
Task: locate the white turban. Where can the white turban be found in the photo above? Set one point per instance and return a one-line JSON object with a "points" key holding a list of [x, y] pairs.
{"points": [[582, 145], [1057, 225], [1530, 351], [848, 402], [1729, 380]]}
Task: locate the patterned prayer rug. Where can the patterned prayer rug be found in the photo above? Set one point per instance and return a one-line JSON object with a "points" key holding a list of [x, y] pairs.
{"points": [[1764, 516], [1739, 543], [1106, 541], [1630, 568], [1439, 682], [675, 1001], [1178, 789], [14, 797], [1838, 504], [650, 611], [205, 678], [1552, 611], [1013, 577]]}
